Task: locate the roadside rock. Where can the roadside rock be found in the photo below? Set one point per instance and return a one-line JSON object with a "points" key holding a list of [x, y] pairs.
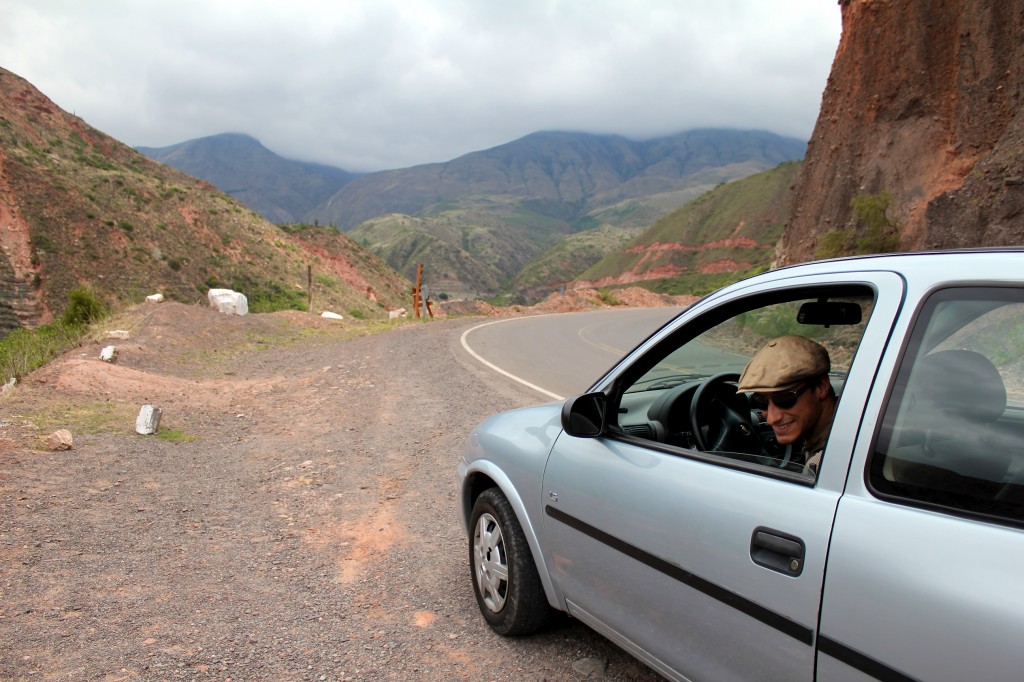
{"points": [[59, 440]]}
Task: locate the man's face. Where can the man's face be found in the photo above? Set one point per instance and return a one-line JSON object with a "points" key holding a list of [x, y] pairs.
{"points": [[792, 423]]}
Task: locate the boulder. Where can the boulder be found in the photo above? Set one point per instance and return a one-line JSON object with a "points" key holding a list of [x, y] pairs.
{"points": [[108, 354], [228, 301], [118, 334], [331, 316], [155, 298]]}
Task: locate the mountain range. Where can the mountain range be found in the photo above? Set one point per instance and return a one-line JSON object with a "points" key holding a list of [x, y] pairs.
{"points": [[477, 221], [279, 189], [574, 178]]}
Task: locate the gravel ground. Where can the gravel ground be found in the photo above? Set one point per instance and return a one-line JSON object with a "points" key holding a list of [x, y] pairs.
{"points": [[299, 522]]}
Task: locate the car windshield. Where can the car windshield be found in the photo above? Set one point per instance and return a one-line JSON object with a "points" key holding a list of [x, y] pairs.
{"points": [[728, 347]]}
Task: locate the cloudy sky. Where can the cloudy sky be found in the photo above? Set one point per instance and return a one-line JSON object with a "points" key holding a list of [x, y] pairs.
{"points": [[374, 84]]}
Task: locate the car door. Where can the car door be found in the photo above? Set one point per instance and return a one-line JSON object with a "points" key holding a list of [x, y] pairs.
{"points": [[704, 567], [925, 571]]}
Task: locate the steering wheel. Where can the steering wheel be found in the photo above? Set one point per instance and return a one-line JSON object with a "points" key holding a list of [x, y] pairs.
{"points": [[720, 419]]}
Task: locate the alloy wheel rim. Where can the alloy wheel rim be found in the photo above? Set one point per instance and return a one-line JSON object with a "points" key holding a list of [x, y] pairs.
{"points": [[490, 562]]}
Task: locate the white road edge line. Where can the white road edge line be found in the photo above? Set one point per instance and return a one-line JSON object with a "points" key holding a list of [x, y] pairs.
{"points": [[499, 370]]}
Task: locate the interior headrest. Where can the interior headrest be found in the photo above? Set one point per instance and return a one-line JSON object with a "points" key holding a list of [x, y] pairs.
{"points": [[960, 384]]}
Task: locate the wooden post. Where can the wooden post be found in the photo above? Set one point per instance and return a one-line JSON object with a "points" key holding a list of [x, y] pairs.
{"points": [[309, 287], [416, 291]]}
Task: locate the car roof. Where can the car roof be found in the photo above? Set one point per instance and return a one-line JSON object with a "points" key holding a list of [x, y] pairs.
{"points": [[925, 268], [917, 261]]}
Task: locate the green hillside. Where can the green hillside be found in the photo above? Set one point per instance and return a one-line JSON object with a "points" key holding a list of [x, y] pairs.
{"points": [[466, 251], [567, 260], [722, 235], [81, 209]]}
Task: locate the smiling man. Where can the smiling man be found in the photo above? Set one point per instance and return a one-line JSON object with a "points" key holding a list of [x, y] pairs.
{"points": [[788, 380]]}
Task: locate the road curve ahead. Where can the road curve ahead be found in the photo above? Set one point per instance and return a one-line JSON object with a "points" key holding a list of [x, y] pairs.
{"points": [[562, 354]]}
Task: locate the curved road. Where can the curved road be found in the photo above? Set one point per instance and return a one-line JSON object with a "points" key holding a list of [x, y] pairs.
{"points": [[562, 354]]}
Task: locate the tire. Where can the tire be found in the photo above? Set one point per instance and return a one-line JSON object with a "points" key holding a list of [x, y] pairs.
{"points": [[505, 580]]}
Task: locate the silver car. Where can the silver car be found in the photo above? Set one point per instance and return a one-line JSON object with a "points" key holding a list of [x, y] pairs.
{"points": [[659, 509]]}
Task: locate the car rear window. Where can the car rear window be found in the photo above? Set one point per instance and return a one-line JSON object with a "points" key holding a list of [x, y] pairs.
{"points": [[952, 434]]}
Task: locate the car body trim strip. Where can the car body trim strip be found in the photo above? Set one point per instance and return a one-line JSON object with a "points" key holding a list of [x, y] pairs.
{"points": [[790, 627], [857, 660]]}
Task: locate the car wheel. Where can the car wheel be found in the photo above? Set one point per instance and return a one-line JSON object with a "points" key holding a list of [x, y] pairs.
{"points": [[505, 580]]}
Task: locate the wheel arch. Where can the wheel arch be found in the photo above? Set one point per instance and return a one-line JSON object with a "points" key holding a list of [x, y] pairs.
{"points": [[484, 475]]}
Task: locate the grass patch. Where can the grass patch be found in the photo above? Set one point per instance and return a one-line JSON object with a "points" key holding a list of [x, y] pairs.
{"points": [[269, 296], [24, 350], [175, 436], [85, 418], [326, 281]]}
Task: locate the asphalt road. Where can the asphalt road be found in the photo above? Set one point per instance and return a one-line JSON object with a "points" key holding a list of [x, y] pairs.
{"points": [[562, 354]]}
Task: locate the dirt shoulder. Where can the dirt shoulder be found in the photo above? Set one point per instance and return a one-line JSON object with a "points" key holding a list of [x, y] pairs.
{"points": [[301, 525]]}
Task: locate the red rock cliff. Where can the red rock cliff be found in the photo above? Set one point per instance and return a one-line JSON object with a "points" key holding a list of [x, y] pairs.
{"points": [[924, 102]]}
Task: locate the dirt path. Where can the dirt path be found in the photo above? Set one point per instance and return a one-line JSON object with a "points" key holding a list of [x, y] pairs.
{"points": [[302, 527]]}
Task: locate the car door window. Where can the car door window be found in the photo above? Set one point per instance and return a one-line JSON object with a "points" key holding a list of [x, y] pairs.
{"points": [[685, 398], [952, 434]]}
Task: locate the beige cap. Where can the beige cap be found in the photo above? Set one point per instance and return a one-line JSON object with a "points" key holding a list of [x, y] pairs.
{"points": [[784, 364]]}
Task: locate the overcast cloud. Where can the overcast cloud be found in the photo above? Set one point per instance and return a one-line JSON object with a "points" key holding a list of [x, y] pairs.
{"points": [[374, 84]]}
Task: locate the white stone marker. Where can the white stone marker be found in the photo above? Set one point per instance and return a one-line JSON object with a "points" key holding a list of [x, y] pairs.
{"points": [[148, 420]]}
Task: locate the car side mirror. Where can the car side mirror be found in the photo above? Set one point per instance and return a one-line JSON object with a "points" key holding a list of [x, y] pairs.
{"points": [[583, 415]]}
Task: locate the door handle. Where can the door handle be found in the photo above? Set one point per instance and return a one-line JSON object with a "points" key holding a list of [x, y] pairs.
{"points": [[777, 551]]}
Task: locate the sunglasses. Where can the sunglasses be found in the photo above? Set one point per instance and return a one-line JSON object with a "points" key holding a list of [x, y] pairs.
{"points": [[781, 399]]}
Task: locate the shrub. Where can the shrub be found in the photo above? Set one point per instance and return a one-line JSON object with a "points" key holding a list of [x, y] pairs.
{"points": [[881, 233], [42, 243], [878, 232], [83, 307], [607, 297], [835, 243]]}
